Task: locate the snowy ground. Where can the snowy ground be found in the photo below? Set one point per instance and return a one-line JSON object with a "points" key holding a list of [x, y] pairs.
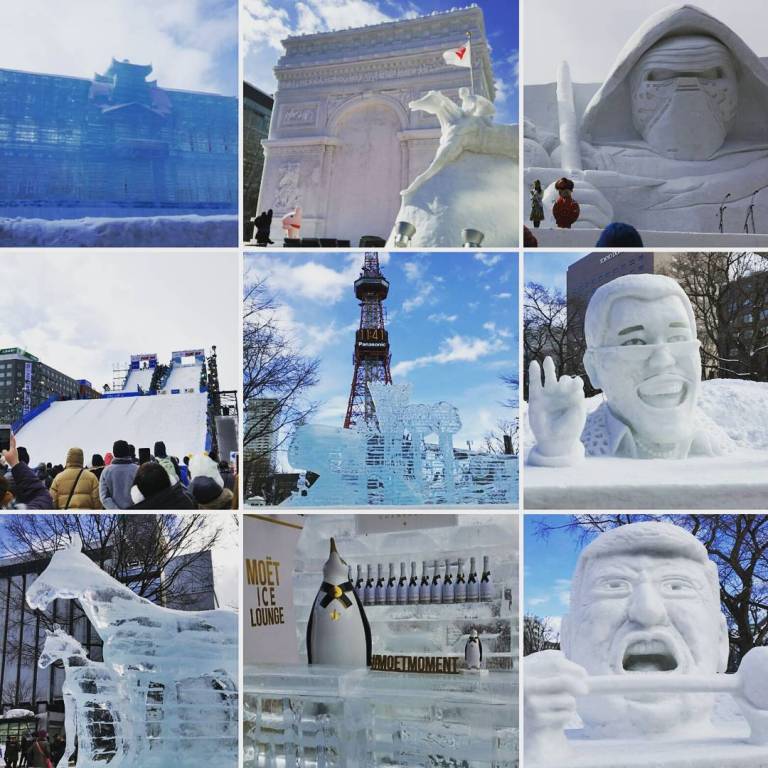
{"points": [[735, 481], [176, 231], [94, 425]]}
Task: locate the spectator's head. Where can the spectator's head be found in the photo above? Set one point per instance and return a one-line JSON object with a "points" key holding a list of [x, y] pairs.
{"points": [[619, 235], [186, 459], [107, 459], [49, 466], [160, 450], [132, 450], [150, 480], [121, 449], [97, 460], [75, 457], [207, 491], [23, 454], [144, 455], [6, 494]]}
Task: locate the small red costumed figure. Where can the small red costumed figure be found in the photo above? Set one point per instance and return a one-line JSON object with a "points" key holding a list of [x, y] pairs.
{"points": [[566, 209]]}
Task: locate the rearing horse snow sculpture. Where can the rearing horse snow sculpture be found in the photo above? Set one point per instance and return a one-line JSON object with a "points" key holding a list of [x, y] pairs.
{"points": [[463, 129], [177, 668]]}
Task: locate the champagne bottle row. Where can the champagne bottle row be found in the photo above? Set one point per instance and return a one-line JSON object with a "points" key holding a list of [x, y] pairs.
{"points": [[439, 588]]}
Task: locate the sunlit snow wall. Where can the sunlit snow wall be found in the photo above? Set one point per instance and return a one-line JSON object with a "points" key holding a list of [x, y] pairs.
{"points": [[313, 716], [117, 145]]}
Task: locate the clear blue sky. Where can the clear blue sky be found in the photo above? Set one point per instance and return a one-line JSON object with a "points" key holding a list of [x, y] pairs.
{"points": [[548, 269], [452, 321], [266, 22]]}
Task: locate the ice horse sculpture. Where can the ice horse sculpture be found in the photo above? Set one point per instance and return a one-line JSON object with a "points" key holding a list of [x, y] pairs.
{"points": [[470, 183], [166, 691], [390, 462], [644, 648]]}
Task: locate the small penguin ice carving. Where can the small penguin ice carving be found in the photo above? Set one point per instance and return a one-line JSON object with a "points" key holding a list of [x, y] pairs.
{"points": [[473, 651], [338, 632]]}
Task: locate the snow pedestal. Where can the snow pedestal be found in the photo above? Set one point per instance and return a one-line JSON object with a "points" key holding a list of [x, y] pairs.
{"points": [[477, 191], [173, 231], [586, 237], [738, 480], [330, 716], [724, 748]]}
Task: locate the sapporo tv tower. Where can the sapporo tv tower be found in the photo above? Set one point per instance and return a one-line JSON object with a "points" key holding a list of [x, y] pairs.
{"points": [[372, 353]]}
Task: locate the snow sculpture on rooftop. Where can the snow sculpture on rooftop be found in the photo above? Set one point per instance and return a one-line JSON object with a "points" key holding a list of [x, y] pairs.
{"points": [[166, 690], [644, 647], [675, 128], [470, 181], [389, 460], [642, 351]]}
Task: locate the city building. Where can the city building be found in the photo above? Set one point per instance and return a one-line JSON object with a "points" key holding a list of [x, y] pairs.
{"points": [[343, 142], [26, 382], [257, 114], [743, 343], [261, 446], [118, 144]]}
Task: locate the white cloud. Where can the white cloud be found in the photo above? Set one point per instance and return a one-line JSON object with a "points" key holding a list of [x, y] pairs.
{"points": [[563, 591], [425, 292], [414, 270], [457, 348], [312, 280], [441, 317], [501, 90], [504, 295], [185, 40], [81, 312], [488, 259], [514, 61], [538, 600]]}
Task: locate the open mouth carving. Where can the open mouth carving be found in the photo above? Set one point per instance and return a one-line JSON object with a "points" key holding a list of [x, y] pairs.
{"points": [[649, 656], [663, 391]]}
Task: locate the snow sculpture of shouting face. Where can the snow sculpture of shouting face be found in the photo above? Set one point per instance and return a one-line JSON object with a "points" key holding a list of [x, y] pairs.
{"points": [[645, 598], [684, 95], [642, 351]]}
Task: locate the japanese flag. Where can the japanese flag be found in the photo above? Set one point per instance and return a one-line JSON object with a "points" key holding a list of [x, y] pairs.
{"points": [[459, 57]]}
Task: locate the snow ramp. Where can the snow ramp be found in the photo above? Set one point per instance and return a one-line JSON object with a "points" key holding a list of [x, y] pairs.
{"points": [[184, 377], [138, 377], [94, 425]]}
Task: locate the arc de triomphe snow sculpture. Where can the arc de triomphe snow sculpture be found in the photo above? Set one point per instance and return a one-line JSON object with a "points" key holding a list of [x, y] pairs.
{"points": [[343, 142]]}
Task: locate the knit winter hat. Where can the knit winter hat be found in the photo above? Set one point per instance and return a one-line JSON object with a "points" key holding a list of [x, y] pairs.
{"points": [[205, 489], [150, 479], [120, 449]]}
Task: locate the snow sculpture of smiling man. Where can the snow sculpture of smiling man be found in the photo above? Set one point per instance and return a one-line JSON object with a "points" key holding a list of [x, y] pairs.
{"points": [[645, 597], [642, 351]]}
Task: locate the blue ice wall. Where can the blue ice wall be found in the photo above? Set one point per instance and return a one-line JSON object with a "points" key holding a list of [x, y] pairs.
{"points": [[118, 144]]}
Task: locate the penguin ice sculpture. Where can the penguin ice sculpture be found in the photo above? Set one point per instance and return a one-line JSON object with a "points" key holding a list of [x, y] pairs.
{"points": [[473, 651], [338, 631]]}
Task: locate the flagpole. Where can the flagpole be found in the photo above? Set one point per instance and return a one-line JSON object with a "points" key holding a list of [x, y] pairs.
{"points": [[471, 72]]}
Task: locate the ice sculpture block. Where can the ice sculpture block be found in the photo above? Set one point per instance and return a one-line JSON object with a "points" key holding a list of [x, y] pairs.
{"points": [[644, 649], [166, 691], [392, 463]]}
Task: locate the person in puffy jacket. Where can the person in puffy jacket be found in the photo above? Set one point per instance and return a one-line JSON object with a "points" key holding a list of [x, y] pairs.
{"points": [[117, 478], [152, 489], [76, 487], [166, 462], [27, 491]]}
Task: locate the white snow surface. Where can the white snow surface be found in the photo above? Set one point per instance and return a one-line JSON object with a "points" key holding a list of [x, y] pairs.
{"points": [[733, 481], [93, 425], [138, 378], [176, 231], [184, 377]]}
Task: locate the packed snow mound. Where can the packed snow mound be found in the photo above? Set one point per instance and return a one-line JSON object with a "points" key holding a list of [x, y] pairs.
{"points": [[13, 713], [184, 377], [740, 408], [173, 231], [141, 377], [477, 191], [94, 425]]}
